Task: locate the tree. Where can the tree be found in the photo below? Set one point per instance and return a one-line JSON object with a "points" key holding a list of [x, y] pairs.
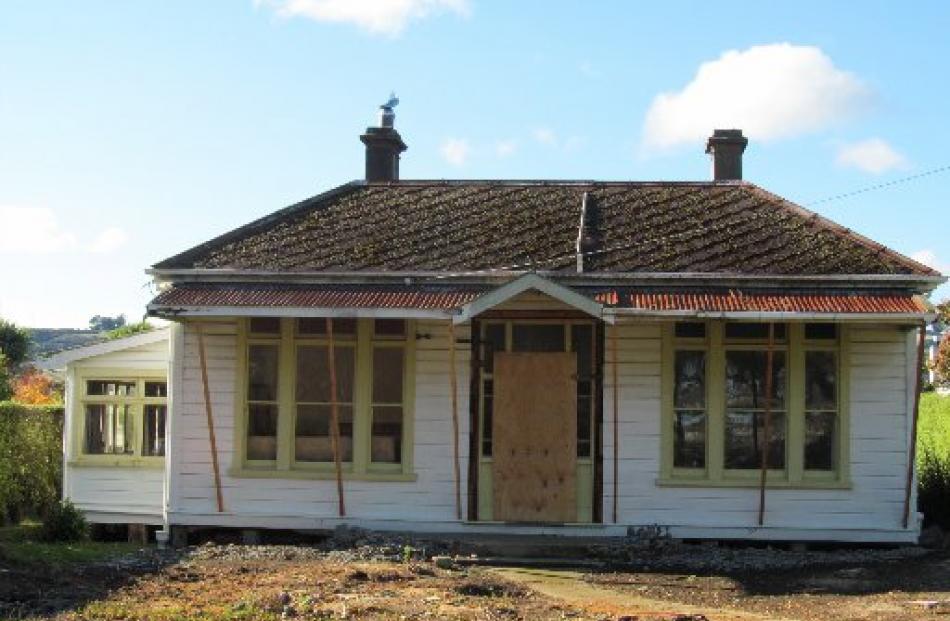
{"points": [[104, 323], [33, 387], [14, 344], [6, 389], [941, 364]]}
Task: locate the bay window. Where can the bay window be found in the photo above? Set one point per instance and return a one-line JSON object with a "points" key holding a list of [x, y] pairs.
{"points": [[122, 420]]}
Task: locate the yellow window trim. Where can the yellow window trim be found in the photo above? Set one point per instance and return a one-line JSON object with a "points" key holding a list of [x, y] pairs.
{"points": [[715, 474], [361, 467], [83, 375]]}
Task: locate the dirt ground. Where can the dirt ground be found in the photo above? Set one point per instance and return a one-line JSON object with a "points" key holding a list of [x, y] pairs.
{"points": [[238, 583]]}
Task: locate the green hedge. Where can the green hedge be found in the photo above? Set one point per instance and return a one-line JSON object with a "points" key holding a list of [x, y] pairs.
{"points": [[933, 459], [31, 460]]}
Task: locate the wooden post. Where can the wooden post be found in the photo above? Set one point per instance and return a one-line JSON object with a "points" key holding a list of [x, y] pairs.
{"points": [[616, 418], [335, 418], [768, 422], [207, 395], [912, 452], [453, 381]]}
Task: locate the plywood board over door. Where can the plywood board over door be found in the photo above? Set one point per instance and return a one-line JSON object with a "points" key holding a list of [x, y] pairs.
{"points": [[534, 431]]}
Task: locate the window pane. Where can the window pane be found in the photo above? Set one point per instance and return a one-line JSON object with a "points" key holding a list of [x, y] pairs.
{"points": [[821, 331], [153, 438], [312, 435], [262, 372], [583, 426], [821, 379], [487, 411], [582, 343], [494, 342], [745, 379], [265, 325], [387, 374], [690, 380], [261, 431], [106, 429], [95, 429], [689, 439], [313, 373], [110, 388], [537, 337], [820, 440], [387, 434], [344, 327], [754, 331], [156, 389], [690, 330], [745, 436], [389, 327]]}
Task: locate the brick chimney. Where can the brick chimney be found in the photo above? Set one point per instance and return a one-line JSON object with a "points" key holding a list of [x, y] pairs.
{"points": [[383, 145], [726, 147]]}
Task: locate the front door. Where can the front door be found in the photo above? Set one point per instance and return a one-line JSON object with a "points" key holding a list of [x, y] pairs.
{"points": [[534, 431]]}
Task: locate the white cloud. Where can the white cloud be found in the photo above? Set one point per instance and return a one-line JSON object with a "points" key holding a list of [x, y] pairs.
{"points": [[769, 91], [545, 136], [505, 148], [109, 240], [455, 151], [388, 17], [32, 230], [929, 258], [873, 155]]}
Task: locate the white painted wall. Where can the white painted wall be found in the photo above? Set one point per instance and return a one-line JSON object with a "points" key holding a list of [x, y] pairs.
{"points": [[881, 390], [113, 493], [307, 503]]}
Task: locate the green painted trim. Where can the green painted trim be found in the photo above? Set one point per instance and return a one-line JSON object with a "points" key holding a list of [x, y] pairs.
{"points": [[795, 402], [754, 482], [716, 405], [109, 461], [319, 475]]}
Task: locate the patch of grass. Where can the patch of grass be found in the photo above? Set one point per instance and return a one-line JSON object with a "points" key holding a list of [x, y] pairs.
{"points": [[22, 545]]}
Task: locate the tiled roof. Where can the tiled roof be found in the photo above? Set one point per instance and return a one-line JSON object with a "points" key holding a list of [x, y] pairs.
{"points": [[724, 227], [314, 296], [738, 301]]}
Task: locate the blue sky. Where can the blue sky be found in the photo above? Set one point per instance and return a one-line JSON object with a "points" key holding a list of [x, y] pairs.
{"points": [[130, 131]]}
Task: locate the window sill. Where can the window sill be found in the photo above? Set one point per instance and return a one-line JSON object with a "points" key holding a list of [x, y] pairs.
{"points": [[320, 475], [753, 483], [105, 461]]}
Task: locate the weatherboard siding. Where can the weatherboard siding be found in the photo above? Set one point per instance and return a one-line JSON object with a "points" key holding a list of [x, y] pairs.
{"points": [[113, 493], [879, 397], [302, 503]]}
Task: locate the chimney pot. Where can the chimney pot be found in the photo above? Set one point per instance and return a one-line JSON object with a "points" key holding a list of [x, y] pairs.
{"points": [[383, 146], [726, 147]]}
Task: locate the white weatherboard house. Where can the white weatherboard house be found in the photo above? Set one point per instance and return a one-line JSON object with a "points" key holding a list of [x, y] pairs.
{"points": [[566, 357]]}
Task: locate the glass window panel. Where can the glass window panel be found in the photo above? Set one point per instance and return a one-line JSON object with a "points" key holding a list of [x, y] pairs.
{"points": [[387, 374], [153, 438], [313, 373], [487, 425], [582, 343], [745, 379], [745, 437], [313, 442], [389, 327], [821, 380], [690, 330], [387, 434], [262, 372], [344, 327], [537, 337], [107, 427], [821, 430], [265, 325], [584, 412], [690, 380], [261, 431], [821, 331], [494, 342], [689, 439], [758, 331], [110, 388], [95, 443], [156, 389]]}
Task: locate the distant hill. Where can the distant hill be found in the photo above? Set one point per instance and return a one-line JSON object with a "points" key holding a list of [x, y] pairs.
{"points": [[49, 340]]}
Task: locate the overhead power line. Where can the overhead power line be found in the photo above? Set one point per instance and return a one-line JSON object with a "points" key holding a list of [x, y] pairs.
{"points": [[879, 186]]}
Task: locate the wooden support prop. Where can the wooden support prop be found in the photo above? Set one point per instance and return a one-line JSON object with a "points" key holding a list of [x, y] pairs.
{"points": [[616, 417], [768, 422], [202, 357], [912, 451], [335, 419], [453, 380]]}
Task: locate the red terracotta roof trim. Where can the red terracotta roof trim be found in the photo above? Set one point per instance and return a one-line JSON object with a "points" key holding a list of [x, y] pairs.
{"points": [[737, 301]]}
